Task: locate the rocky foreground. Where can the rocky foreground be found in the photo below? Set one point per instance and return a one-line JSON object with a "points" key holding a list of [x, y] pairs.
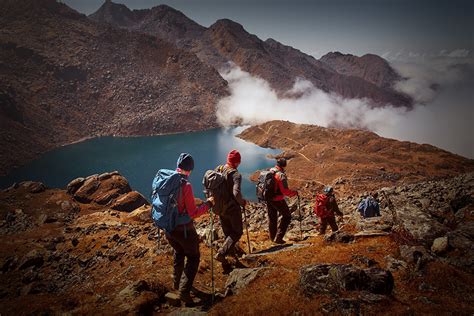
{"points": [[92, 248]]}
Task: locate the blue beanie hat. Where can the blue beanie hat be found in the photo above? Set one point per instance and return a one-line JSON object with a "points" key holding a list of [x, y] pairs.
{"points": [[185, 162]]}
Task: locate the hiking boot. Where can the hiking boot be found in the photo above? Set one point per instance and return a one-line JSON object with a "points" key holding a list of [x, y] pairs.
{"points": [[279, 241], [220, 257], [186, 298]]}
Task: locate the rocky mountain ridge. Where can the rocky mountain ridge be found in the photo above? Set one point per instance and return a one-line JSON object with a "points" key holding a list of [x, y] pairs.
{"points": [[227, 41], [369, 67]]}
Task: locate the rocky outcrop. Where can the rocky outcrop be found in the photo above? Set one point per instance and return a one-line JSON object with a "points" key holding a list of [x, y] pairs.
{"points": [[109, 189], [129, 202], [332, 278], [240, 278]]}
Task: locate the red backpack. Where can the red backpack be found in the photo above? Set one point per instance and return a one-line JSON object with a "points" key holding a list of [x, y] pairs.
{"points": [[320, 208]]}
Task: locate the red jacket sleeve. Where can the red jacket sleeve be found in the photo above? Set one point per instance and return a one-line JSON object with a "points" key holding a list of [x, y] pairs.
{"points": [[186, 202], [283, 186]]}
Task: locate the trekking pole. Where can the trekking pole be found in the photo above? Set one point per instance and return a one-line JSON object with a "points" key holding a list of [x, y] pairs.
{"points": [[299, 211], [212, 256], [247, 229]]}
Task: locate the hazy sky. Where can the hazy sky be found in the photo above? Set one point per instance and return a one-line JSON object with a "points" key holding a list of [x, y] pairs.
{"points": [[350, 26]]}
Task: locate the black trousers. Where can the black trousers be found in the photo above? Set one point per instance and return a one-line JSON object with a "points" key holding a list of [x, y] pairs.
{"points": [[331, 221], [185, 242], [275, 208], [231, 222]]}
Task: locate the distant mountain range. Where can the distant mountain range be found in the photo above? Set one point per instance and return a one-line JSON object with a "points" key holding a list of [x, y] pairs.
{"points": [[65, 77], [369, 76]]}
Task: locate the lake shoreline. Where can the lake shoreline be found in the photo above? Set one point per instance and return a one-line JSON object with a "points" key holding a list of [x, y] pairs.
{"points": [[138, 160]]}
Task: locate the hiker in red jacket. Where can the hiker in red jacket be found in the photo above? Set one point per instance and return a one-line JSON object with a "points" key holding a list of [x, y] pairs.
{"points": [[231, 217], [184, 238], [326, 208], [278, 205]]}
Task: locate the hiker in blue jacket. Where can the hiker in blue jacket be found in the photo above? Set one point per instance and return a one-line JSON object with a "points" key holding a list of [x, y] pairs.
{"points": [[369, 207]]}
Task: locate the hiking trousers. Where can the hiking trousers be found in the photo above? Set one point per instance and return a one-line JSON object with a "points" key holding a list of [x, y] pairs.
{"points": [[274, 208], [331, 221], [185, 242], [231, 222]]}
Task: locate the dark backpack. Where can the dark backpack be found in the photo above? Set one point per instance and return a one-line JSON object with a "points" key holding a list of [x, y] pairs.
{"points": [[368, 207], [216, 185], [166, 188], [265, 188], [321, 207]]}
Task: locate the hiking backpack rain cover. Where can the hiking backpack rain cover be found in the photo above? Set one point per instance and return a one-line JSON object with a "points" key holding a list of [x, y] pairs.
{"points": [[215, 183], [265, 188], [166, 188], [320, 208]]}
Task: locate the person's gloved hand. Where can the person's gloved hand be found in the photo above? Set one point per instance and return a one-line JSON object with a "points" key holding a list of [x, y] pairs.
{"points": [[210, 201]]}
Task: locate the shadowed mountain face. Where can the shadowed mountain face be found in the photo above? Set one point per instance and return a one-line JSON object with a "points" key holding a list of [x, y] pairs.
{"points": [[369, 67], [64, 77], [371, 77]]}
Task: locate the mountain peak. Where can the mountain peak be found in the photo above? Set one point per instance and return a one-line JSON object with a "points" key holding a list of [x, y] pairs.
{"points": [[227, 23], [369, 67], [116, 14]]}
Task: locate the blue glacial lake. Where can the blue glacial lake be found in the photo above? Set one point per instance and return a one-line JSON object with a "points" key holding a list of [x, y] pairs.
{"points": [[139, 158]]}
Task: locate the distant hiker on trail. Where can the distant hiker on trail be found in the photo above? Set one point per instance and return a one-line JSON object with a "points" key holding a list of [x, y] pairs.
{"points": [[230, 213], [171, 192], [276, 205], [326, 208], [369, 207]]}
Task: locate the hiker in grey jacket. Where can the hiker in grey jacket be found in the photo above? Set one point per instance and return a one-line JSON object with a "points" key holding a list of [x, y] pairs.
{"points": [[231, 217]]}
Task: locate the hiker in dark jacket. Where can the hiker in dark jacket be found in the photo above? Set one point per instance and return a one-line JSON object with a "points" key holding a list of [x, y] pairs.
{"points": [[328, 217], [231, 216], [184, 238], [369, 207], [278, 205]]}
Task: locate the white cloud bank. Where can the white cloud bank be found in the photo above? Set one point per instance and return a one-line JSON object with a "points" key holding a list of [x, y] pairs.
{"points": [[443, 115]]}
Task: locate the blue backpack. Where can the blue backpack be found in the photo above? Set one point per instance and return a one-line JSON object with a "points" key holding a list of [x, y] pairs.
{"points": [[166, 188]]}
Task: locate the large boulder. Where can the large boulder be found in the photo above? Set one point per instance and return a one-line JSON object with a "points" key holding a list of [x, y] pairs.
{"points": [[418, 224], [129, 202], [331, 278], [240, 278], [85, 191], [102, 189], [138, 298], [74, 185], [33, 187], [141, 215], [34, 258]]}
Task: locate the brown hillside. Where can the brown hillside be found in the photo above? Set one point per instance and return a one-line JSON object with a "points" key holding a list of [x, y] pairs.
{"points": [[64, 77], [353, 161]]}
